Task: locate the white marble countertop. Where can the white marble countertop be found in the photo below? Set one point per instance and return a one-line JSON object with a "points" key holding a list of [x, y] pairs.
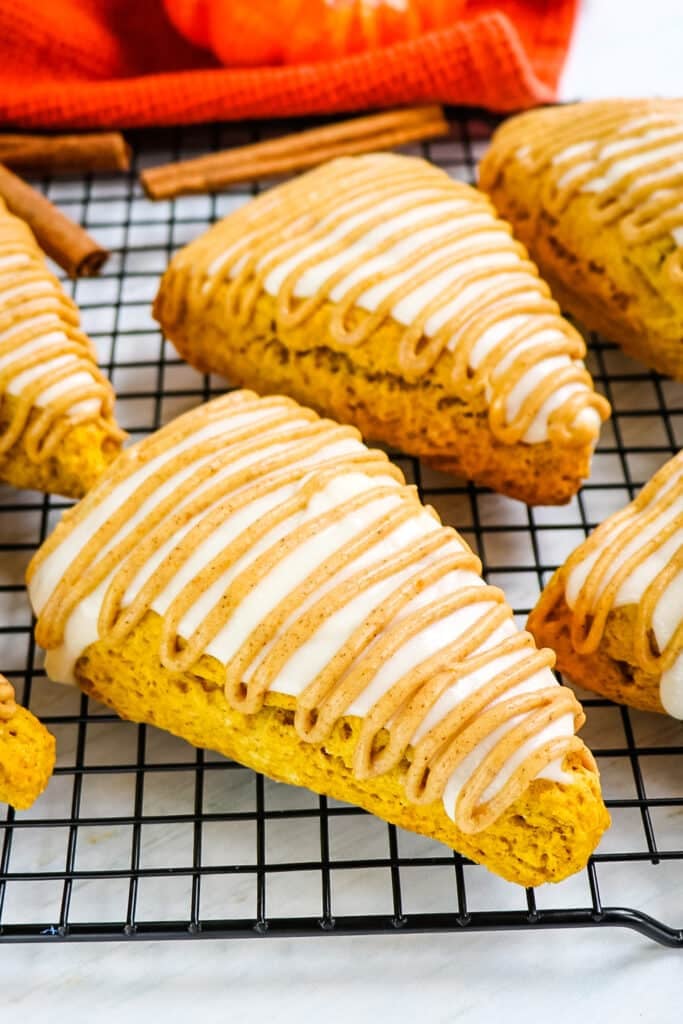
{"points": [[620, 48], [564, 977]]}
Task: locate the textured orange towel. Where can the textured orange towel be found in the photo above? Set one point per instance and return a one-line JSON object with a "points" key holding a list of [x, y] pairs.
{"points": [[98, 63]]}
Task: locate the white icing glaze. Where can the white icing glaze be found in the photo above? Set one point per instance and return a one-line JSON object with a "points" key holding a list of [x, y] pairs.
{"points": [[289, 572], [13, 268], [668, 611], [14, 259], [78, 379], [54, 567], [503, 264], [630, 161]]}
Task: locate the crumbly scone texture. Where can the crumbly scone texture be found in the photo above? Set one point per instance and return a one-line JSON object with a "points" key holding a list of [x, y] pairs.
{"points": [[422, 419], [83, 455], [621, 291], [546, 835], [611, 670], [27, 758]]}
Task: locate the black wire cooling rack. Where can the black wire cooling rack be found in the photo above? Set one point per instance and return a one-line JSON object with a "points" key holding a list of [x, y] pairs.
{"points": [[139, 835]]}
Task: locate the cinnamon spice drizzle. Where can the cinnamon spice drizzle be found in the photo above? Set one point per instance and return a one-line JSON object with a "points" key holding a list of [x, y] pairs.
{"points": [[39, 328], [334, 226], [7, 702], [278, 544], [626, 154], [615, 552]]}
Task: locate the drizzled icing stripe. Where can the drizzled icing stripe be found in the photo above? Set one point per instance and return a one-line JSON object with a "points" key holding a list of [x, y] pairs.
{"points": [[626, 155], [278, 544], [7, 702], [47, 364], [400, 240], [636, 558]]}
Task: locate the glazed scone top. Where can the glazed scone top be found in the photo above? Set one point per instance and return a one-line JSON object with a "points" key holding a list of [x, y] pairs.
{"points": [[279, 545], [636, 558], [398, 239], [7, 702], [626, 154], [46, 362]]}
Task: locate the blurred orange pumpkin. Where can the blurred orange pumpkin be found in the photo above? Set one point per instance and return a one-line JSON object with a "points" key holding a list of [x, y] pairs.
{"points": [[267, 32]]}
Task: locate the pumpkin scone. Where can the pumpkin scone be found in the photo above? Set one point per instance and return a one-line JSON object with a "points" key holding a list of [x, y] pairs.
{"points": [[57, 428], [254, 579], [614, 611], [595, 191], [383, 293], [27, 752]]}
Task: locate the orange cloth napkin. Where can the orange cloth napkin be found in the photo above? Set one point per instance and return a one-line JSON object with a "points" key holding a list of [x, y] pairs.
{"points": [[120, 63]]}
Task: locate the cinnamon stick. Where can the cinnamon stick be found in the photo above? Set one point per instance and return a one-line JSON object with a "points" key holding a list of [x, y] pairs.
{"points": [[65, 154], [294, 152], [66, 242]]}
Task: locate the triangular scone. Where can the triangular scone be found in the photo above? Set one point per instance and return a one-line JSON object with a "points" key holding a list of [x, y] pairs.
{"points": [[383, 293], [614, 611], [57, 429], [595, 191], [27, 752], [257, 581]]}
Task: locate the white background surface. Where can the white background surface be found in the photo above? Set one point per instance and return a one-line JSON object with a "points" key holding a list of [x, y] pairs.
{"points": [[561, 977], [625, 48], [620, 48]]}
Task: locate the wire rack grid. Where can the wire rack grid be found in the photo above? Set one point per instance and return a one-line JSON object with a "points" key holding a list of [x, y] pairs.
{"points": [[139, 835]]}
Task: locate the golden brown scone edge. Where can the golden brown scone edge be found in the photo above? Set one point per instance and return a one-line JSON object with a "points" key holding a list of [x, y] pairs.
{"points": [[610, 671], [84, 454], [622, 291], [546, 835], [424, 420], [27, 757]]}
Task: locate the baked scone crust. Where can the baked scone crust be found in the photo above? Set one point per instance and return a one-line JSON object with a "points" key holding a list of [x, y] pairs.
{"points": [[412, 384], [616, 281], [613, 612], [57, 425], [27, 753], [612, 670], [258, 581], [420, 418], [546, 835], [83, 455]]}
